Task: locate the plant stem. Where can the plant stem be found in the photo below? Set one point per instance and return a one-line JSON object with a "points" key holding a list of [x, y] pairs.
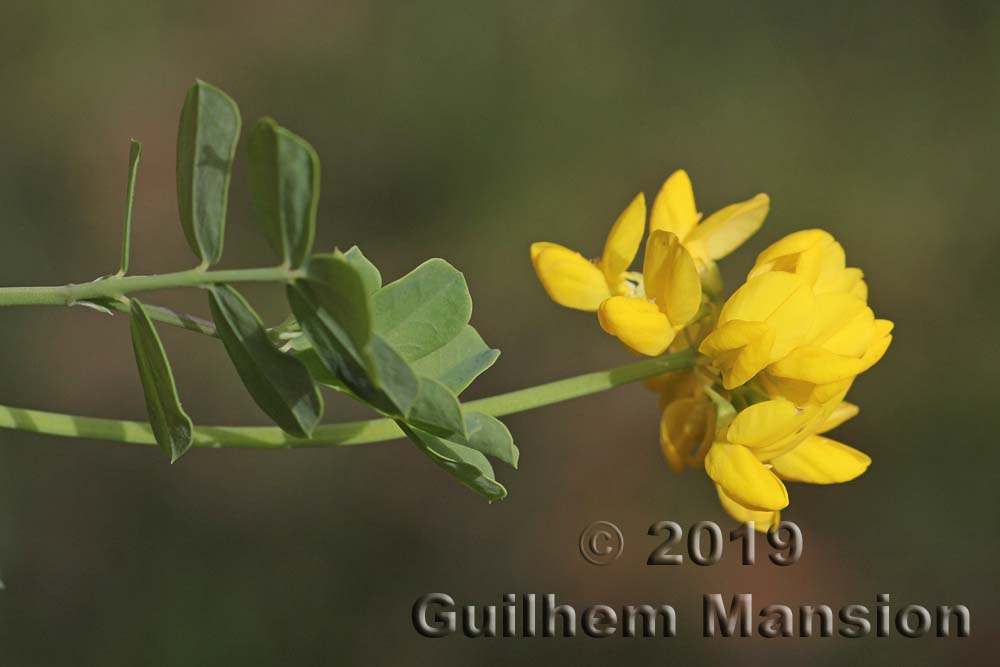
{"points": [[348, 433], [115, 286]]}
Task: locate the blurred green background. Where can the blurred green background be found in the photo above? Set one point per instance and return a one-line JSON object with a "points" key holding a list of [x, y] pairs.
{"points": [[467, 131]]}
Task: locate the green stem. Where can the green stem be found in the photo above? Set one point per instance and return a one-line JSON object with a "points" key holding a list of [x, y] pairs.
{"points": [[348, 433], [115, 286]]}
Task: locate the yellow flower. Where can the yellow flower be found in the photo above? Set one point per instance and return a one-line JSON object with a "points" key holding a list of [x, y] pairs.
{"points": [[779, 356], [736, 459], [824, 334], [671, 296], [763, 321], [722, 232], [845, 338], [573, 281], [772, 442]]}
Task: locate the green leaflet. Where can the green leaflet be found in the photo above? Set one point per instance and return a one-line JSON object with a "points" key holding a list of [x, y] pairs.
{"points": [[490, 436], [317, 369], [394, 378], [335, 350], [279, 383], [171, 425], [467, 465], [206, 145], [423, 310], [337, 287], [370, 275], [436, 409], [134, 153], [401, 394], [284, 189], [459, 361], [331, 345]]}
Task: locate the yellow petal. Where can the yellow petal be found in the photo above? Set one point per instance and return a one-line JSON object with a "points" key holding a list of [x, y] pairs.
{"points": [[711, 277], [801, 392], [795, 391], [637, 323], [816, 365], [763, 521], [831, 392], [676, 437], [783, 300], [624, 239], [857, 286], [733, 335], [793, 244], [800, 253], [568, 277], [744, 478], [819, 460], [834, 261], [844, 324], [757, 298], [880, 344], [739, 349], [538, 247], [850, 280], [687, 427], [670, 277], [726, 230], [833, 275], [807, 265], [792, 319], [674, 209], [855, 336], [764, 423], [838, 416]]}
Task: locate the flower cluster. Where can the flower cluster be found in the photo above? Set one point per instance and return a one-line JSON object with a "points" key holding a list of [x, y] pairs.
{"points": [[777, 357]]}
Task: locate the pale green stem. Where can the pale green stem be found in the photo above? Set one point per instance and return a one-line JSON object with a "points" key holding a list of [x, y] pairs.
{"points": [[117, 286], [349, 433]]}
